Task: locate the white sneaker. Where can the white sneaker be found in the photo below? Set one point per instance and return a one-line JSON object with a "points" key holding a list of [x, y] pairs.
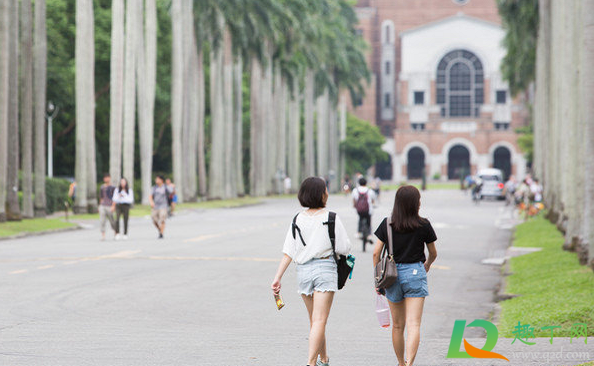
{"points": [[125, 237], [117, 237]]}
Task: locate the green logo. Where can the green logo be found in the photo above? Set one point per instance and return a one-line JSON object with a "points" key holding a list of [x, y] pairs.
{"points": [[469, 350]]}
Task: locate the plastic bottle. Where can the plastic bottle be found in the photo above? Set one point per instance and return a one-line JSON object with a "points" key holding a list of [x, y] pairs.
{"points": [[382, 310]]}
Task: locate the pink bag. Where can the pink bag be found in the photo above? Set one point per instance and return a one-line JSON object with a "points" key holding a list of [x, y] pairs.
{"points": [[382, 310]]}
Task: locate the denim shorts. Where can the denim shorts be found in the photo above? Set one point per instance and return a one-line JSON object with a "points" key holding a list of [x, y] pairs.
{"points": [[412, 282], [317, 275]]}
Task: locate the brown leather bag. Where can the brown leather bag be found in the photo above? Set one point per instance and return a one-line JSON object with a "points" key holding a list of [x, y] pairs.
{"points": [[386, 272]]}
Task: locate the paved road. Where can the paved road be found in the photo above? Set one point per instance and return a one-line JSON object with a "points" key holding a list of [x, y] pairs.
{"points": [[201, 296]]}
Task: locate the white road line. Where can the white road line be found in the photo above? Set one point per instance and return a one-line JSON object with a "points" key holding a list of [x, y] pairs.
{"points": [[18, 271], [46, 266]]}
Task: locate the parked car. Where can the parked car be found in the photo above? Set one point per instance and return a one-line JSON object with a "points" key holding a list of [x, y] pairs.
{"points": [[492, 183]]}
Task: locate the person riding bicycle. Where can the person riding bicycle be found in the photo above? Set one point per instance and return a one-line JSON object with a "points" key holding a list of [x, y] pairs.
{"points": [[363, 201]]}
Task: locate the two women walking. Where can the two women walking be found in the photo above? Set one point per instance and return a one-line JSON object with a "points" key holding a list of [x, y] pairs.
{"points": [[308, 245]]}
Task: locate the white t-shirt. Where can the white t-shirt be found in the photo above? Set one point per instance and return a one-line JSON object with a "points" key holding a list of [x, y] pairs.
{"points": [[316, 237], [123, 197], [370, 196]]}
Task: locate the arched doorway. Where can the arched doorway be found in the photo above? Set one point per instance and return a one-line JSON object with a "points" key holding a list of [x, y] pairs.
{"points": [[458, 162], [384, 169], [416, 163], [502, 160]]}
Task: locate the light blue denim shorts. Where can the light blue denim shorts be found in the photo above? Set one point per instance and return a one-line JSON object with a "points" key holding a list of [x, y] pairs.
{"points": [[317, 275], [412, 282]]}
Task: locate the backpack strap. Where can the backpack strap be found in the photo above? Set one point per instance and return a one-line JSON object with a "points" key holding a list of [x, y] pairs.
{"points": [[296, 228], [332, 230]]}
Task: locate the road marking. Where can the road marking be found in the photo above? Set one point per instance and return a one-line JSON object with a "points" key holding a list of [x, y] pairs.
{"points": [[437, 266], [46, 266], [202, 238], [18, 271]]}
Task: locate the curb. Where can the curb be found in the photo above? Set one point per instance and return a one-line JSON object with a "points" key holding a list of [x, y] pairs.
{"points": [[40, 233]]}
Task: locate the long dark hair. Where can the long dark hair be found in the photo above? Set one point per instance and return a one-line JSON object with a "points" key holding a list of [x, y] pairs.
{"points": [[125, 187], [405, 215]]}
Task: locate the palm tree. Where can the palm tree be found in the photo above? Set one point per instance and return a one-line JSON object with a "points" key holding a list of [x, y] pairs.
{"points": [[216, 186], [26, 115], [587, 94], [177, 91], [294, 132], [85, 94], [4, 77], [13, 211], [146, 148], [39, 85], [190, 107], [238, 123], [228, 105], [198, 92], [131, 51], [308, 108], [116, 89], [322, 132]]}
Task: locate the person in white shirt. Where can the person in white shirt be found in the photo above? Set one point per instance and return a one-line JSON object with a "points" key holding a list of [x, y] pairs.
{"points": [[363, 201], [310, 248], [123, 198]]}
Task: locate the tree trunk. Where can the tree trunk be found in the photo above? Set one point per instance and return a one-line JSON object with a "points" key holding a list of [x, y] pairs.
{"points": [[4, 101], [268, 123], [27, 106], [587, 98], [116, 90], [309, 167], [238, 124], [333, 155], [130, 62], [216, 186], [342, 126], [200, 90], [190, 108], [145, 133], [257, 168], [230, 180], [13, 210], [280, 120], [322, 133], [294, 135], [151, 80], [39, 85], [85, 96], [177, 91]]}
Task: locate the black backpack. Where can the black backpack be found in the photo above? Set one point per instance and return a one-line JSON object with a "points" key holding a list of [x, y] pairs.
{"points": [[343, 268]]}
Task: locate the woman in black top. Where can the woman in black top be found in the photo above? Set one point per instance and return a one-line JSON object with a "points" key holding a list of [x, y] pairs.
{"points": [[410, 234]]}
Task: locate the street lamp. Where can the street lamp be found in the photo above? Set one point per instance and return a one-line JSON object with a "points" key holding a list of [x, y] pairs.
{"points": [[52, 112]]}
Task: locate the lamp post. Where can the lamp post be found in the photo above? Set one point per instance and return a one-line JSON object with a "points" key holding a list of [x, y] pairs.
{"points": [[52, 112]]}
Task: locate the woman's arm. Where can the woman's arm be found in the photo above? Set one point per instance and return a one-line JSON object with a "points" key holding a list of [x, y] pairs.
{"points": [[282, 267], [432, 256], [377, 252]]}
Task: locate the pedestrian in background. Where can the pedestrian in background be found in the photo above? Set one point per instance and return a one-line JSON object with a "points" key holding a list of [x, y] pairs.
{"points": [[123, 198], [171, 197], [410, 234], [105, 203], [158, 202], [308, 245]]}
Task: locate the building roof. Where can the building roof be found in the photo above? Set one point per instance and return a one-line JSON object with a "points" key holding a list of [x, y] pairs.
{"points": [[450, 19]]}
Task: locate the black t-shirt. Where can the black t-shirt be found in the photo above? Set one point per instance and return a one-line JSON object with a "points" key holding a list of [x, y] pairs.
{"points": [[408, 247]]}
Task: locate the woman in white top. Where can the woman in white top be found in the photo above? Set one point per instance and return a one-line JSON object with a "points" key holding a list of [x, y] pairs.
{"points": [[123, 198], [311, 250]]}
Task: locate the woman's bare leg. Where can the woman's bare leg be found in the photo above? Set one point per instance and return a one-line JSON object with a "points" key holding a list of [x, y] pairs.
{"points": [[398, 311], [322, 301], [414, 311]]}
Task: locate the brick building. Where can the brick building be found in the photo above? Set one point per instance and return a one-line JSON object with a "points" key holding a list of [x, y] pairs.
{"points": [[436, 92]]}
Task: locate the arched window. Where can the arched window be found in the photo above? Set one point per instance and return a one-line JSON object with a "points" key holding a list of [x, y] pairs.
{"points": [[459, 85]]}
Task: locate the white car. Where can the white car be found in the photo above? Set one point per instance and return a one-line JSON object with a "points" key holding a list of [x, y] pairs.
{"points": [[492, 183]]}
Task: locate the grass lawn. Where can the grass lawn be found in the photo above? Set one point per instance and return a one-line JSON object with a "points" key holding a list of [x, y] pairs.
{"points": [[553, 288], [144, 210], [32, 226], [430, 186], [587, 364]]}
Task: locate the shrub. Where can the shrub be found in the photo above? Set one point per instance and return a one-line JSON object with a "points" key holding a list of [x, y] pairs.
{"points": [[56, 193]]}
